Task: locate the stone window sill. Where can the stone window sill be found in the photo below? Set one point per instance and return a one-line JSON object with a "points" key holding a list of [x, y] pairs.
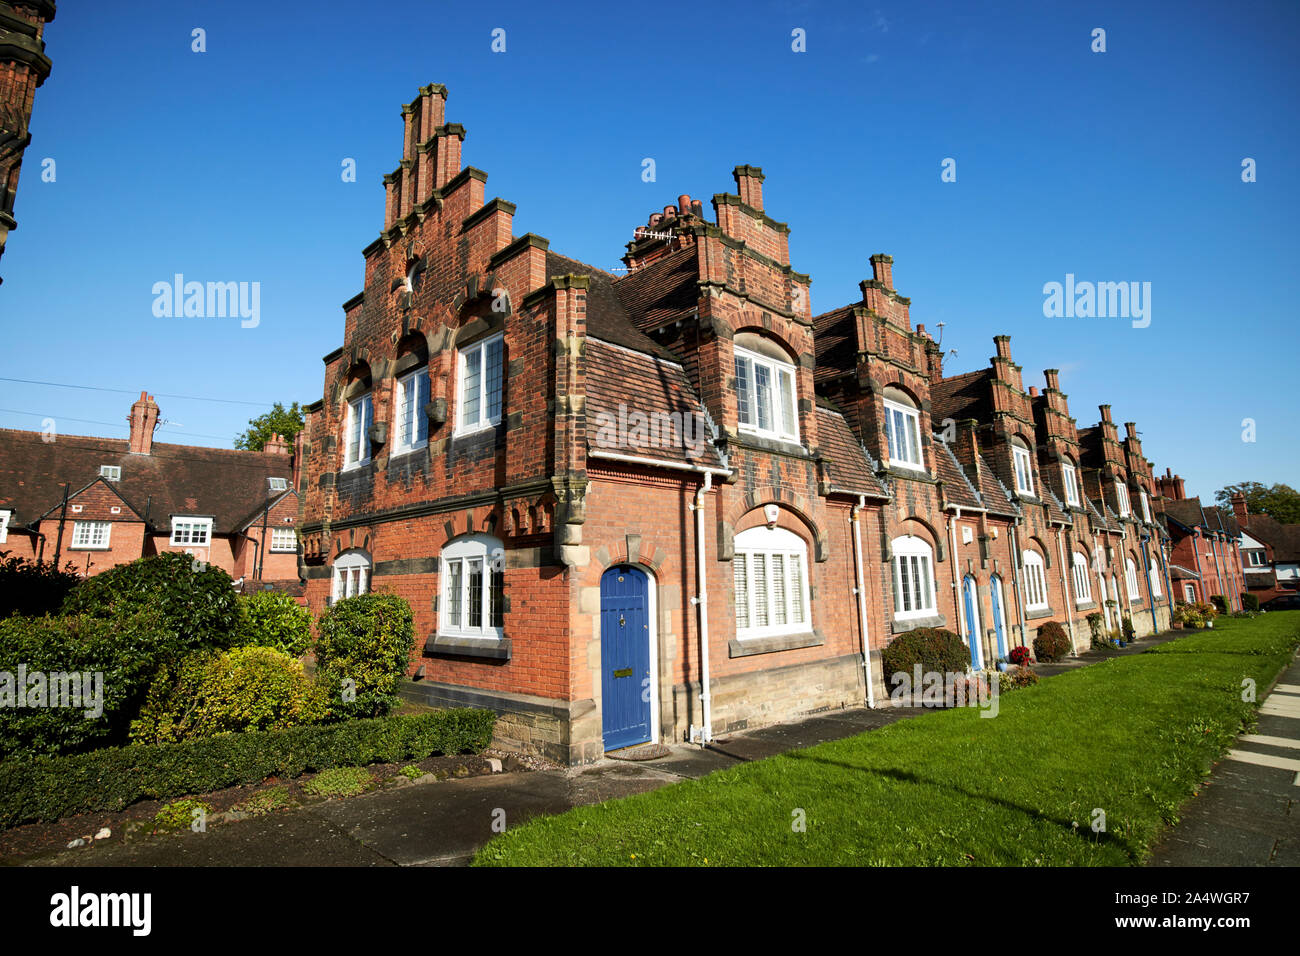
{"points": [[780, 642], [484, 648], [1041, 613], [912, 623]]}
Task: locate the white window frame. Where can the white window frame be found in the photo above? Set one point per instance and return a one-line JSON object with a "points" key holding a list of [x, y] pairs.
{"points": [[1035, 572], [913, 566], [1146, 505], [1256, 558], [1023, 467], [85, 535], [785, 591], [278, 484], [282, 533], [1131, 579], [783, 396], [410, 424], [1189, 592], [1082, 582], [1121, 496], [478, 353], [457, 560], [198, 533], [351, 574], [1153, 575], [110, 472], [897, 414], [1071, 484], [5, 515], [356, 431]]}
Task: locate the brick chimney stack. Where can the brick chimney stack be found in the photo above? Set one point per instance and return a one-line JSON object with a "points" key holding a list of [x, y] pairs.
{"points": [[1003, 344], [1170, 485], [1105, 414], [882, 270], [1033, 391], [1053, 376], [276, 445], [144, 419], [1239, 508], [1131, 429], [749, 185], [967, 448]]}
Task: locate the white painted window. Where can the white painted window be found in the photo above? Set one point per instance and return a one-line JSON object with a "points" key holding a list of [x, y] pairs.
{"points": [[4, 525], [766, 396], [110, 472], [1035, 582], [480, 384], [1121, 495], [1153, 574], [351, 574], [1071, 484], [473, 588], [913, 577], [356, 441], [1082, 583], [91, 535], [191, 531], [1189, 592], [278, 484], [283, 539], [1254, 558], [412, 424], [1146, 506], [903, 429], [1024, 470], [770, 575], [1131, 579]]}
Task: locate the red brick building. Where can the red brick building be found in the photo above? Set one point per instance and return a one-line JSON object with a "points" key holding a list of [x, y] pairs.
{"points": [[23, 67], [1205, 557], [127, 499], [1270, 552]]}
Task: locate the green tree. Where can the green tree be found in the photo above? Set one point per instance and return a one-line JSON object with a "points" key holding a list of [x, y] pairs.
{"points": [[1280, 502], [279, 421]]}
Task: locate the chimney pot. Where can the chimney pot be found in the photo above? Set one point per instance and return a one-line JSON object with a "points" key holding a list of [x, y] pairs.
{"points": [[683, 204], [670, 212], [1033, 391]]}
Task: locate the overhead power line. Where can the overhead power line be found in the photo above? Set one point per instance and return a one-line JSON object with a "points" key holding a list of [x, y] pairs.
{"points": [[128, 391]]}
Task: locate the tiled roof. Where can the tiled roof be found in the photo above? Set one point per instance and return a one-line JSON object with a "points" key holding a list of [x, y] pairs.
{"points": [[622, 383], [172, 479], [957, 488], [1284, 539], [851, 469], [994, 493], [961, 396], [1179, 573], [836, 341], [1056, 511], [606, 317], [1099, 519], [664, 290]]}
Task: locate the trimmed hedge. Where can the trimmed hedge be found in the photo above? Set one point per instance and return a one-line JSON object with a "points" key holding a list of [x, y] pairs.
{"points": [[274, 619], [1249, 602], [366, 640], [33, 589], [937, 651], [50, 788]]}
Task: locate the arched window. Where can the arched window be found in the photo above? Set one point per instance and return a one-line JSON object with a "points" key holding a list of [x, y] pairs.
{"points": [[1035, 582], [1070, 474], [913, 577], [903, 430], [473, 588], [770, 572], [1131, 579], [1024, 470], [351, 574], [766, 389], [1082, 582]]}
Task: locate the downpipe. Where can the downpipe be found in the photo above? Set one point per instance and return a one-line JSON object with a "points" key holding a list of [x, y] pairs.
{"points": [[861, 592]]}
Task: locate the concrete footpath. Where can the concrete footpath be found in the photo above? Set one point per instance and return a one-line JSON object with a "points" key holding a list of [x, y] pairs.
{"points": [[1248, 813]]}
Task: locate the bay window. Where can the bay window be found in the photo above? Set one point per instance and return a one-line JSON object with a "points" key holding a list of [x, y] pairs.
{"points": [[770, 577]]}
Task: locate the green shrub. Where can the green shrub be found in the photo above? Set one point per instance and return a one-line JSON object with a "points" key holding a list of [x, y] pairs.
{"points": [[49, 788], [264, 801], [196, 604], [937, 651], [339, 782], [362, 652], [33, 589], [1127, 628], [1220, 603], [181, 814], [208, 693], [1051, 643], [1249, 602], [120, 657], [274, 619], [1016, 678], [411, 772]]}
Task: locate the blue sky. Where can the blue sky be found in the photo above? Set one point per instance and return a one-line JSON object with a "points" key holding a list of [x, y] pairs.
{"points": [[1115, 166]]}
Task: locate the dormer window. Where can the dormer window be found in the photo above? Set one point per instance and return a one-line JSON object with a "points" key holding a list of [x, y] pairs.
{"points": [[765, 395], [110, 472], [1071, 475], [903, 430], [1024, 470], [278, 484], [1121, 497], [192, 532], [1146, 506]]}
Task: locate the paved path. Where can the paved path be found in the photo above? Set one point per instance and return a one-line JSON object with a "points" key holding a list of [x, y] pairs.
{"points": [[1248, 813]]}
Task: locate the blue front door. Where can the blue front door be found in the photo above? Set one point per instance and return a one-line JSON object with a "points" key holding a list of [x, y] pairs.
{"points": [[995, 596], [624, 657], [973, 620]]}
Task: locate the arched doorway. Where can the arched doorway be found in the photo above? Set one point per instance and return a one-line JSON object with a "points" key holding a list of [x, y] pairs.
{"points": [[973, 629], [999, 613]]}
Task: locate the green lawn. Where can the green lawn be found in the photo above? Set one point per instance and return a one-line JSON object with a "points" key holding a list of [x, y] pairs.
{"points": [[1133, 736]]}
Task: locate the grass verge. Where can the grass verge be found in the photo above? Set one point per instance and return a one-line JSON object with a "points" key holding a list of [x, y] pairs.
{"points": [[1131, 738]]}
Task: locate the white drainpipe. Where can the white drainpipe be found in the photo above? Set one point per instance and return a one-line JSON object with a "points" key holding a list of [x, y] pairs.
{"points": [[1015, 574], [861, 591], [958, 592], [1065, 584], [704, 734]]}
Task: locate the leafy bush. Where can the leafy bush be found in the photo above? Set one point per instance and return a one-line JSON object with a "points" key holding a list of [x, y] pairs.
{"points": [[1206, 610], [196, 608], [208, 693], [1220, 603], [1126, 628], [411, 772], [365, 640], [1096, 625], [180, 814], [264, 801], [1249, 602], [33, 589], [1019, 655], [339, 782], [1050, 643], [1023, 676], [274, 619], [49, 788], [119, 658], [937, 651]]}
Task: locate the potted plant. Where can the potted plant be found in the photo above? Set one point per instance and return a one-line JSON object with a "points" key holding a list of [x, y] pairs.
{"points": [[1020, 656]]}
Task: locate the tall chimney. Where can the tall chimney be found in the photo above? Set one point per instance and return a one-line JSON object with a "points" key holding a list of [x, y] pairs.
{"points": [[144, 419], [1239, 507], [882, 270], [1003, 343], [1131, 429], [749, 183], [1105, 412], [1053, 376], [1033, 391]]}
